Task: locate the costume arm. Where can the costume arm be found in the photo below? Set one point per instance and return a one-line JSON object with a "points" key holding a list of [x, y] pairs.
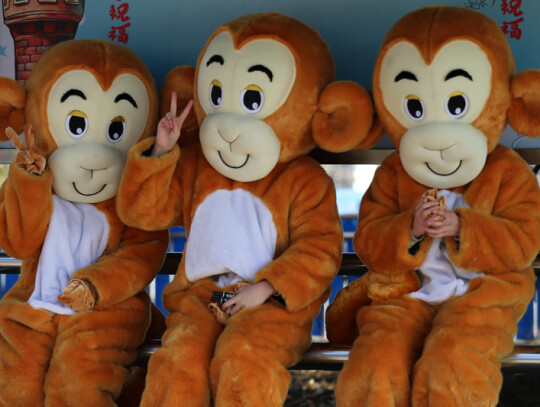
{"points": [[128, 269], [306, 268], [26, 206], [382, 238], [150, 193], [507, 238]]}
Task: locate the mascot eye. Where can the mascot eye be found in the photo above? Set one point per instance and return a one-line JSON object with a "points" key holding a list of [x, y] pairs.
{"points": [[457, 105], [252, 99], [216, 93], [116, 129], [414, 107], [77, 124]]}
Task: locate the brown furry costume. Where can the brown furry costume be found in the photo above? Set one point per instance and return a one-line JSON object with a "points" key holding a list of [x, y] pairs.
{"points": [[444, 87], [80, 106], [282, 73]]}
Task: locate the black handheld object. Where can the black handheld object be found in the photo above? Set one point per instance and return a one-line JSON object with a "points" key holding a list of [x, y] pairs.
{"points": [[221, 296]]}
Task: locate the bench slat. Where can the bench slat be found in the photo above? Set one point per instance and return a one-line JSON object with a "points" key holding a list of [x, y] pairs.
{"points": [[326, 356], [350, 264]]}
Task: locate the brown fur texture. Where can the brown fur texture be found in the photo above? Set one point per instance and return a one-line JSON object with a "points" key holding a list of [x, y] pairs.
{"points": [[408, 352], [83, 359], [525, 90], [245, 362], [12, 102]]}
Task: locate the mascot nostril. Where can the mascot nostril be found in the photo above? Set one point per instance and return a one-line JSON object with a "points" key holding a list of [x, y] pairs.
{"points": [[83, 271]]}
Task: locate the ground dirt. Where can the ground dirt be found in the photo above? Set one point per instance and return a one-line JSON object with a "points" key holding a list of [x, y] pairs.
{"points": [[315, 388]]}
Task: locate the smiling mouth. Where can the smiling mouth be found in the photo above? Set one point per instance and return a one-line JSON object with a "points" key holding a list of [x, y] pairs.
{"points": [[231, 166], [445, 175], [83, 194]]}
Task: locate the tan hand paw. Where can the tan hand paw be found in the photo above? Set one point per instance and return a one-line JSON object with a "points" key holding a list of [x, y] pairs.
{"points": [[27, 158], [79, 295]]}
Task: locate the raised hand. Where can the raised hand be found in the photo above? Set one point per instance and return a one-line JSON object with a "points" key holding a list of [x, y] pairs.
{"points": [[169, 126], [27, 157]]}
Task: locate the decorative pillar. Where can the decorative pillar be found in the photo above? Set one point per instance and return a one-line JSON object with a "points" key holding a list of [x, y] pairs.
{"points": [[37, 25]]}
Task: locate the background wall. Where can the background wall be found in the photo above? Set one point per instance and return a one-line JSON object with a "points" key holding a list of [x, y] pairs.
{"points": [[166, 33]]}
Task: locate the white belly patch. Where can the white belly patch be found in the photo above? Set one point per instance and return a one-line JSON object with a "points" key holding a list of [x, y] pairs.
{"points": [[440, 278], [76, 238], [232, 237]]}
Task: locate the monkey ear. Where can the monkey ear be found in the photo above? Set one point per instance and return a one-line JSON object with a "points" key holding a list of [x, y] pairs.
{"points": [[524, 111], [346, 118], [181, 80], [12, 103]]}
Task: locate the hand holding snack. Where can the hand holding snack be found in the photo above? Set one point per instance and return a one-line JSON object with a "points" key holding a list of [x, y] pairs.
{"points": [[433, 217]]}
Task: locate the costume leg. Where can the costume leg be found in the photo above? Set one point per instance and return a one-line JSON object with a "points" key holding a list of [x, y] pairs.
{"points": [[93, 353], [252, 354], [460, 364], [178, 371], [27, 337], [378, 371], [132, 392]]}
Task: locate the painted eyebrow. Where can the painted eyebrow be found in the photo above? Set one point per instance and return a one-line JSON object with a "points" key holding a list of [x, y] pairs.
{"points": [[72, 92], [262, 69], [405, 75], [126, 96], [216, 58], [458, 72]]}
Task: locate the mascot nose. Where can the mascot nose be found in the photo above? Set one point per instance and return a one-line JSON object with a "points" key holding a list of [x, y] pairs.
{"points": [[228, 136], [444, 151], [92, 170]]}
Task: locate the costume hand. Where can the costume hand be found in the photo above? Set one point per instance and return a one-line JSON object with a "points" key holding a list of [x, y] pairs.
{"points": [[168, 131], [79, 295], [27, 157], [447, 227], [249, 296]]}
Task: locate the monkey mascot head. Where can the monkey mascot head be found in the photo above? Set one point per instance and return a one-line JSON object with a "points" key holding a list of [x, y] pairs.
{"points": [[88, 102], [265, 92], [445, 87]]}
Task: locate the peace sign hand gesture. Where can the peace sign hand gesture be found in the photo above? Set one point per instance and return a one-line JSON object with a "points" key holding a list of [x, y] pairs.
{"points": [[27, 158], [168, 131]]}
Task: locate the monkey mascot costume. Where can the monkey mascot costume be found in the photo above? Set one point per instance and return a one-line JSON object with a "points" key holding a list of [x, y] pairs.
{"points": [[450, 224], [71, 325], [258, 212]]}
